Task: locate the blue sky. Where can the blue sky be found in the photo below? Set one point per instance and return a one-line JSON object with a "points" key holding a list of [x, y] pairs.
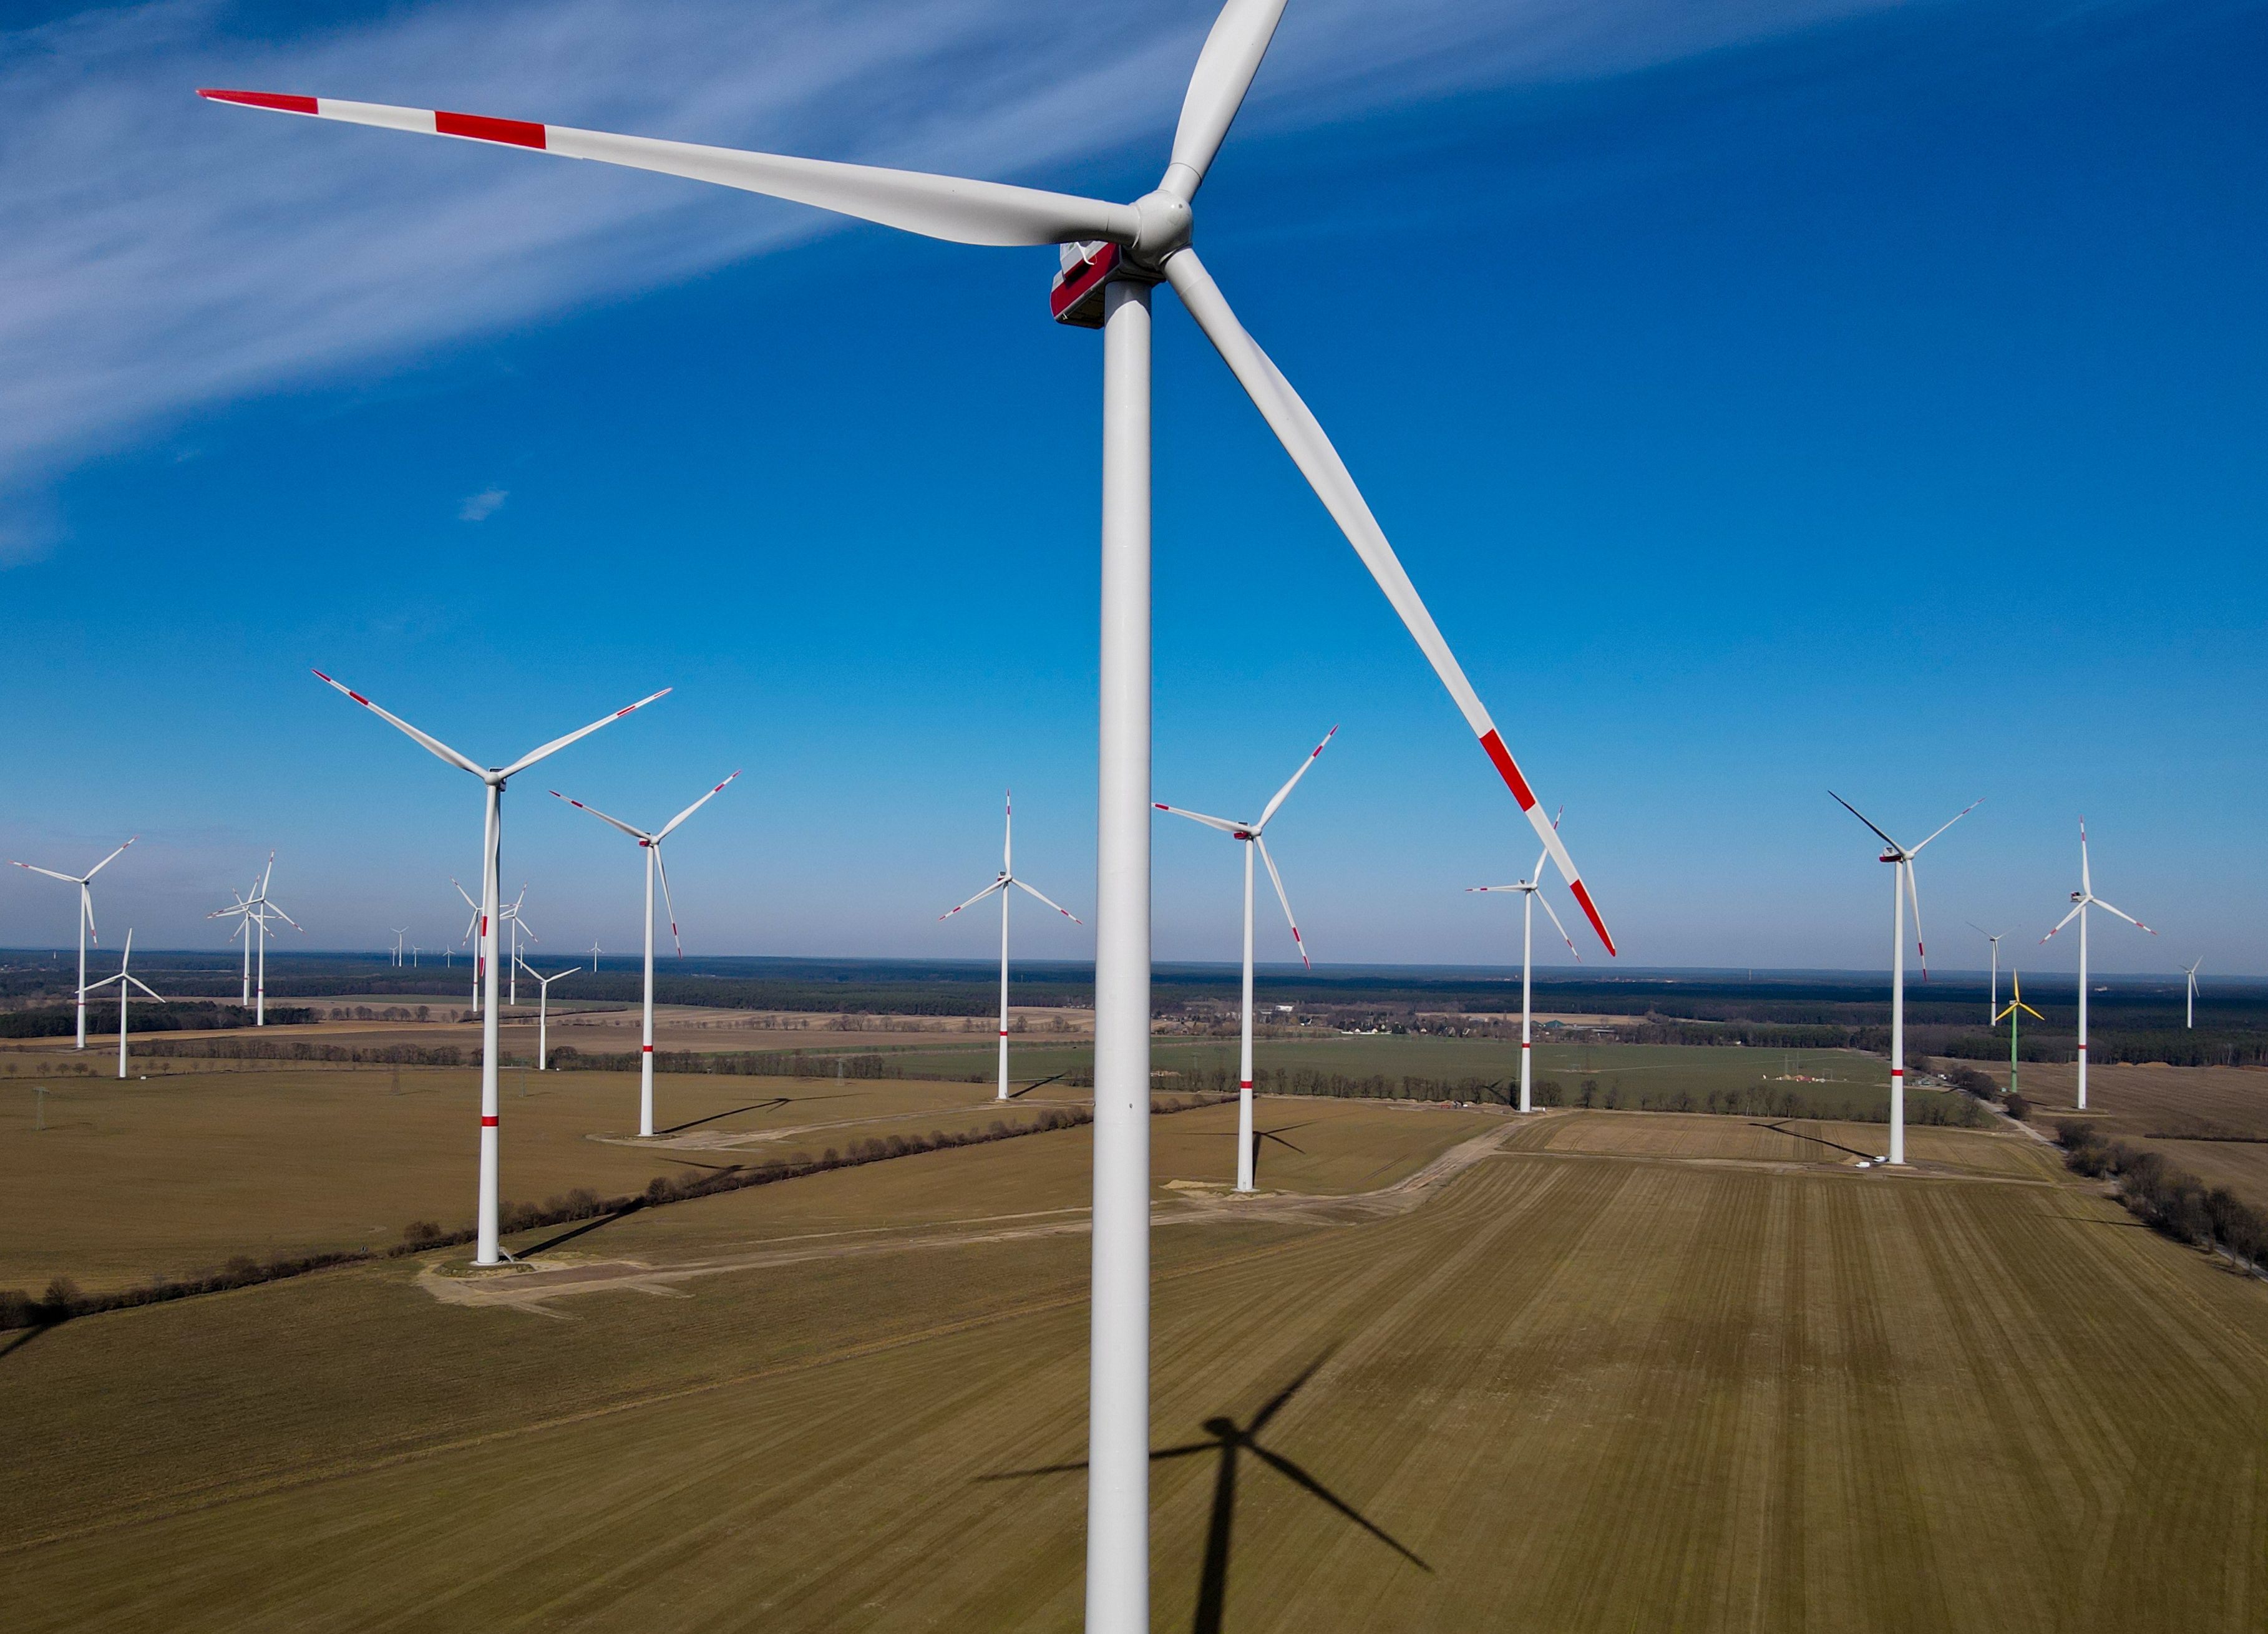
{"points": [[1767, 398]]}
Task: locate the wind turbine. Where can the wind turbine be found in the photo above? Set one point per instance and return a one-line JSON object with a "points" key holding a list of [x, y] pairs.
{"points": [[2081, 899], [398, 935], [1901, 891], [514, 918], [1008, 878], [2013, 1016], [651, 845], [253, 913], [1113, 255], [508, 914], [594, 955], [1531, 892], [85, 921], [2191, 974], [126, 979], [543, 1010], [1992, 1005], [1247, 833], [493, 778]]}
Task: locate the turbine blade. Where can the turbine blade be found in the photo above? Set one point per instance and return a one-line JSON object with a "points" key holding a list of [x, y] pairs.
{"points": [[113, 858], [1058, 907], [662, 869], [939, 207], [2028, 1011], [1302, 436], [667, 828], [521, 921], [87, 908], [431, 743], [2086, 884], [1279, 880], [1008, 832], [2128, 917], [1000, 884], [285, 917], [1545, 902], [639, 835], [1914, 895], [1314, 754], [558, 744], [1947, 823], [1862, 817], [1221, 823], [468, 895], [146, 987], [68, 878], [1224, 73], [2066, 920]]}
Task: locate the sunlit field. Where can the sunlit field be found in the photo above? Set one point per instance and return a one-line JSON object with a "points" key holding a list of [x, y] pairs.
{"points": [[1590, 1371]]}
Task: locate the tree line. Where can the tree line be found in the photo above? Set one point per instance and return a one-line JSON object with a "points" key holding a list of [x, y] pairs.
{"points": [[65, 1300], [2174, 1201]]}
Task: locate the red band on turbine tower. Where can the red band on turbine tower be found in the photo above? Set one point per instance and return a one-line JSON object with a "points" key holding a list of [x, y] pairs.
{"points": [[648, 1048], [514, 132], [489, 1122]]}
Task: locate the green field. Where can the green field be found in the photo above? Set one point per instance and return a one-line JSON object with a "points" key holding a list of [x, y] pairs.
{"points": [[1636, 1372]]}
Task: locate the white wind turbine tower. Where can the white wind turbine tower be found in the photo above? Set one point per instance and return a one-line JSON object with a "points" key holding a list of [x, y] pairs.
{"points": [[594, 955], [398, 935], [1006, 878], [1247, 833], [517, 922], [651, 845], [543, 1009], [2191, 974], [253, 914], [2081, 899], [1113, 257], [85, 883], [1992, 1007], [493, 778], [1903, 891], [126, 979], [1530, 891]]}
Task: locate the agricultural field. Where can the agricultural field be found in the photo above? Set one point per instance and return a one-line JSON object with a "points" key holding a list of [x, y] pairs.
{"points": [[1590, 1371], [2210, 1121]]}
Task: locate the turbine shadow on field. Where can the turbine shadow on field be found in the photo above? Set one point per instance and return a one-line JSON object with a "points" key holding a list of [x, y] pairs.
{"points": [[1262, 1135], [1817, 1140], [1038, 1084], [1226, 1438], [20, 1341], [760, 1106], [629, 1207]]}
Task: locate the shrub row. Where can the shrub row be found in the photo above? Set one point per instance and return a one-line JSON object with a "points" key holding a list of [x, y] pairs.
{"points": [[2172, 1200], [63, 1298]]}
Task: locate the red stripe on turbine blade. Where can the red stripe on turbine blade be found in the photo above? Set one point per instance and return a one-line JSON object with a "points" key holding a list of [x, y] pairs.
{"points": [[513, 132], [263, 99], [357, 697], [1590, 911], [488, 1122], [1506, 768]]}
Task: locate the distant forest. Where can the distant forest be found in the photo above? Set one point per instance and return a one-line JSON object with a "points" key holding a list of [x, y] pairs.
{"points": [[2132, 1020]]}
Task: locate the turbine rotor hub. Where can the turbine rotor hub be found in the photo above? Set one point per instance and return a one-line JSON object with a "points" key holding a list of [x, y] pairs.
{"points": [[1166, 220]]}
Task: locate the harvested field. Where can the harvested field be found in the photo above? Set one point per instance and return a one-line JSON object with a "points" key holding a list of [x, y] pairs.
{"points": [[1631, 1391], [2165, 1109], [1775, 1140]]}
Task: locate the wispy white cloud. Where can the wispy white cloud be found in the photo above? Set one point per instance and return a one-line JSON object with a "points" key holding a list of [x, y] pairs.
{"points": [[157, 252], [480, 506]]}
